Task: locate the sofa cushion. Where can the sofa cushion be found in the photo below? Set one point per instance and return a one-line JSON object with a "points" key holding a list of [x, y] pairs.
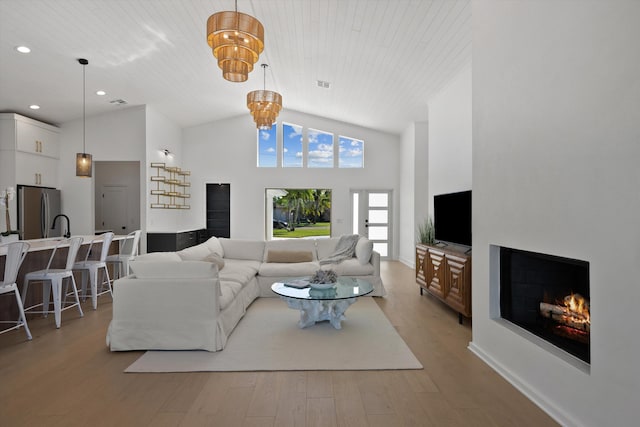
{"points": [[214, 246], [298, 245], [326, 247], [289, 256], [228, 292], [364, 248], [237, 273], [216, 259], [195, 253], [350, 267], [159, 256], [277, 269], [173, 270], [242, 249]]}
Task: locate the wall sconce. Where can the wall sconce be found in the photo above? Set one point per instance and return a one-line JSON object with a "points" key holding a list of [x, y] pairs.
{"points": [[166, 152]]}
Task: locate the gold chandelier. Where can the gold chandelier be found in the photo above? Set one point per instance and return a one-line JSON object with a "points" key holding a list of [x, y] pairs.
{"points": [[264, 105], [237, 40]]}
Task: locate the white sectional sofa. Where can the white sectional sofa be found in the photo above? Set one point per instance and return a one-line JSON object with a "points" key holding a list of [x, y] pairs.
{"points": [[194, 298]]}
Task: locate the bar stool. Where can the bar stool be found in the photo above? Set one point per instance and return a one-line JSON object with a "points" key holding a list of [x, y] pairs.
{"points": [[92, 267], [16, 252], [53, 278], [128, 250]]}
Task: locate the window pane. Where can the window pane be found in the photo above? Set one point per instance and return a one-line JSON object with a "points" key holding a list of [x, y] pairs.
{"points": [[320, 149], [378, 216], [267, 154], [378, 200], [378, 233], [291, 146], [356, 214], [351, 153], [381, 248]]}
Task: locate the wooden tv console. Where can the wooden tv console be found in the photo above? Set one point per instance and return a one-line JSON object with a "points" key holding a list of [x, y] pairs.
{"points": [[445, 274]]}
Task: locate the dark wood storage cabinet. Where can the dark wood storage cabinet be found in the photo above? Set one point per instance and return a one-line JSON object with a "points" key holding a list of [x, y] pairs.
{"points": [[445, 274], [171, 242]]}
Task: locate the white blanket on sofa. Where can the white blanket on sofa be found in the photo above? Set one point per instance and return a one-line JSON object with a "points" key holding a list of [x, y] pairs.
{"points": [[345, 249]]}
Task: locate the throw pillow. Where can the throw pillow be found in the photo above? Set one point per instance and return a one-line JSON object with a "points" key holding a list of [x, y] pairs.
{"points": [[216, 259], [289, 256], [364, 248], [215, 246]]}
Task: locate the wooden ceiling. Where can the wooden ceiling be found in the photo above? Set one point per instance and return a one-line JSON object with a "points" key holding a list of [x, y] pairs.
{"points": [[383, 59]]}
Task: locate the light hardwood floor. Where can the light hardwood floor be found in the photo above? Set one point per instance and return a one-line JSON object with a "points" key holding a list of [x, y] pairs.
{"points": [[67, 377]]}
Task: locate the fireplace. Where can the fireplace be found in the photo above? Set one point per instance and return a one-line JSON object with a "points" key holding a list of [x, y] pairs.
{"points": [[548, 296]]}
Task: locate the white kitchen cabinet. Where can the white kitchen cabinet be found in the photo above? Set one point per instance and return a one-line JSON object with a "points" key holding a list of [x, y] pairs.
{"points": [[31, 151], [37, 138], [32, 169]]}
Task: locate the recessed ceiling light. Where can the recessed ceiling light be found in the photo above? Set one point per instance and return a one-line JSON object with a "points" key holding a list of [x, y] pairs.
{"points": [[23, 49], [34, 107], [101, 93]]}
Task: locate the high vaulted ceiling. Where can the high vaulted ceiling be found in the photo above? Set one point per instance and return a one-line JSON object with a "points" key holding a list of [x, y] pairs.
{"points": [[383, 58]]}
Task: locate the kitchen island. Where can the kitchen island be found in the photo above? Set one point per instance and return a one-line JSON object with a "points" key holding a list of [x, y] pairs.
{"points": [[37, 259]]}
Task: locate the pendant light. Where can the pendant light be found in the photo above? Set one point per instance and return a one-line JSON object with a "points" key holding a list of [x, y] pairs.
{"points": [[264, 104], [83, 160], [237, 40]]}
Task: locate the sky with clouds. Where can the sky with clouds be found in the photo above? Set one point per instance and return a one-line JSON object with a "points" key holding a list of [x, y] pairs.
{"points": [[320, 151]]}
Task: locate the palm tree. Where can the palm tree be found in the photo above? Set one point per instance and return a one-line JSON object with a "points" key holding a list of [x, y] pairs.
{"points": [[319, 204]]}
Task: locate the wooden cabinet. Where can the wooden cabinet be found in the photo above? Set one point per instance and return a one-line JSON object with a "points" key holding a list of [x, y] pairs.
{"points": [[37, 138], [30, 151], [37, 170], [171, 242], [445, 274]]}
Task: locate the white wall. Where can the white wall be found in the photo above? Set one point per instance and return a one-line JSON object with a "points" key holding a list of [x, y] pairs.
{"points": [[117, 136], [556, 107], [435, 158], [414, 179], [161, 134], [226, 152], [450, 138]]}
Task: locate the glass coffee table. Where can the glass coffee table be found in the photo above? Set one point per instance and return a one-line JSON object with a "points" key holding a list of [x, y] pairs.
{"points": [[316, 304]]}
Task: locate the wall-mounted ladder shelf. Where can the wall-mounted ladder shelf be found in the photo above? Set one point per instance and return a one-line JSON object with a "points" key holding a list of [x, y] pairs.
{"points": [[171, 187]]}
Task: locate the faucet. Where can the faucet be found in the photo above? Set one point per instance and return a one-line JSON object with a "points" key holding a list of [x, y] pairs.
{"points": [[53, 225]]}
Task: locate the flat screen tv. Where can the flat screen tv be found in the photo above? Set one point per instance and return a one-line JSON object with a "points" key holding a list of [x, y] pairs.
{"points": [[452, 217]]}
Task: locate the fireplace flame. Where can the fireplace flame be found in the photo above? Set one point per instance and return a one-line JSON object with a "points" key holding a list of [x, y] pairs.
{"points": [[578, 308]]}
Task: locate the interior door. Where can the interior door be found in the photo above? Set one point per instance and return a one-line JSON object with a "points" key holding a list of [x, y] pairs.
{"points": [[371, 211], [114, 209]]}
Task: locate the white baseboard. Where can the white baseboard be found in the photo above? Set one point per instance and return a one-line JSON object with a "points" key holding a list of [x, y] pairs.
{"points": [[540, 400], [411, 264]]}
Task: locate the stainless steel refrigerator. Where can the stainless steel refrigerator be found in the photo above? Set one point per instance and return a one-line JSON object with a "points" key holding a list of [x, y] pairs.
{"points": [[37, 207]]}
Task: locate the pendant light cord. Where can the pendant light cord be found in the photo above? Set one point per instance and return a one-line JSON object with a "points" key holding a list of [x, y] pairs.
{"points": [[84, 108], [264, 76]]}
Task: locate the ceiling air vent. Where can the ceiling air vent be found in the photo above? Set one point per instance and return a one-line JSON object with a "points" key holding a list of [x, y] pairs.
{"points": [[118, 102], [323, 84]]}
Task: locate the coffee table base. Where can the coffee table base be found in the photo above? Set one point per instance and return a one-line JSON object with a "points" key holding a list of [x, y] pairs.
{"points": [[312, 311]]}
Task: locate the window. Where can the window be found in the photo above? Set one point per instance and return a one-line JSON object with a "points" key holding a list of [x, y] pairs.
{"points": [[350, 153], [291, 146], [320, 149], [267, 153], [298, 213]]}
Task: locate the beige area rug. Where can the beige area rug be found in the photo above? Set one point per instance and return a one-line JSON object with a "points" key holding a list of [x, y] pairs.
{"points": [[268, 339]]}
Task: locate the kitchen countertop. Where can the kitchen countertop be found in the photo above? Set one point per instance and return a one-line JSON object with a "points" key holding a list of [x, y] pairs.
{"points": [[50, 243]]}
